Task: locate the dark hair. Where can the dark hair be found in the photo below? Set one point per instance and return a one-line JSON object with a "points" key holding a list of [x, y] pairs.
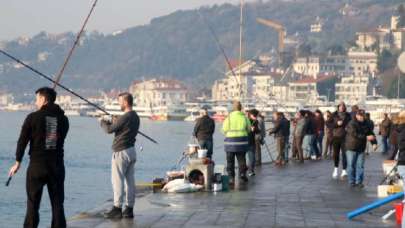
{"points": [[254, 112], [127, 97], [48, 93], [302, 112]]}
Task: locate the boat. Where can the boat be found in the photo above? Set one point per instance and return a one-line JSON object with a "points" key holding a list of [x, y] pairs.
{"points": [[168, 112]]}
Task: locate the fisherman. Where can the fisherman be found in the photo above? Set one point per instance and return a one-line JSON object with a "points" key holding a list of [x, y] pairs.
{"points": [[236, 128], [204, 130], [357, 135], [125, 129], [384, 131], [279, 131], [45, 130], [340, 119], [252, 116]]}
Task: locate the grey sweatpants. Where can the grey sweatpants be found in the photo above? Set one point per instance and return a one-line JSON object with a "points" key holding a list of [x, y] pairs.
{"points": [[122, 175]]}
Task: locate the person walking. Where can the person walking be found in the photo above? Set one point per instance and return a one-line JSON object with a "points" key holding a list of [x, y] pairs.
{"points": [[204, 130], [340, 119], [400, 131], [384, 131], [259, 138], [329, 125], [309, 138], [125, 129], [45, 131], [236, 128], [357, 135]]}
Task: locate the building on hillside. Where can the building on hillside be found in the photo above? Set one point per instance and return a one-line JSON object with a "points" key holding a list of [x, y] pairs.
{"points": [[316, 27], [315, 65], [383, 37], [354, 89], [361, 63], [158, 92], [252, 77], [307, 89]]}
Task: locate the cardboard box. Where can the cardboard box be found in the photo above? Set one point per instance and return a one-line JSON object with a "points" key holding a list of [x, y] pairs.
{"points": [[386, 190]]}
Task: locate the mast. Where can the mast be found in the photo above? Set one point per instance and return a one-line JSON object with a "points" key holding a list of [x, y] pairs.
{"points": [[240, 47]]}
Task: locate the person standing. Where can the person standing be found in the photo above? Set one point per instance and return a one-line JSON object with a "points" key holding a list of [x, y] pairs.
{"points": [[279, 131], [204, 130], [259, 138], [252, 115], [384, 131], [299, 135], [357, 135], [286, 134], [371, 126], [236, 128], [309, 138], [394, 138], [400, 132], [340, 119], [329, 135], [319, 132], [125, 129], [45, 130]]}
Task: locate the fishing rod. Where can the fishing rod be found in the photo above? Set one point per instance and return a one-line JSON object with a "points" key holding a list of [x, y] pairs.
{"points": [[66, 89], [74, 45], [8, 181]]}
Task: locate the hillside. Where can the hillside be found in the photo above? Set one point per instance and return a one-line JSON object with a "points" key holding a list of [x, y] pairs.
{"points": [[180, 45]]}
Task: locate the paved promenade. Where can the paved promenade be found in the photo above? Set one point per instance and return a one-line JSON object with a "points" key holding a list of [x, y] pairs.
{"points": [[299, 195]]}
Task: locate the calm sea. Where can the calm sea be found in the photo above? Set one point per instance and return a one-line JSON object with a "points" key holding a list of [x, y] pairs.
{"points": [[87, 160]]}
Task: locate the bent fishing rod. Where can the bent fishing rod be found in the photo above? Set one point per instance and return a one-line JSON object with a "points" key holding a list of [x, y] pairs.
{"points": [[66, 89], [74, 45]]}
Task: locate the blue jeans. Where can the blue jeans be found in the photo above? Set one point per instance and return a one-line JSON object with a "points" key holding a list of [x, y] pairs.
{"points": [[308, 145], [318, 144], [208, 145], [385, 146], [355, 166], [286, 148], [252, 158]]}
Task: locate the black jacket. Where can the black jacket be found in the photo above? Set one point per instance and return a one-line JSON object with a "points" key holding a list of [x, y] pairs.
{"points": [[281, 128], [401, 140], [204, 128], [339, 131], [356, 135], [45, 130]]}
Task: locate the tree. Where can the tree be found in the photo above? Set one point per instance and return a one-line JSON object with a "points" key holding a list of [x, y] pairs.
{"points": [[337, 49], [386, 60], [401, 14]]}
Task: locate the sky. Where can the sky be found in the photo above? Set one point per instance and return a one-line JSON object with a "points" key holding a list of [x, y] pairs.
{"points": [[29, 17]]}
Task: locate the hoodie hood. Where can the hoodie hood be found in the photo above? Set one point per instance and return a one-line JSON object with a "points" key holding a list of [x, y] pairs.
{"points": [[53, 109]]}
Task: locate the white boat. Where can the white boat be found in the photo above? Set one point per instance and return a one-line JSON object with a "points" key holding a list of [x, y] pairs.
{"points": [[169, 112]]}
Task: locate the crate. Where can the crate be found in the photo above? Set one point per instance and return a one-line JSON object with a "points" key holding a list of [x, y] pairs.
{"points": [[386, 190]]}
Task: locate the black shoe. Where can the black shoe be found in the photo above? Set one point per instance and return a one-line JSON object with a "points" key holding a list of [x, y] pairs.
{"points": [[352, 185], [128, 212], [360, 185], [114, 213], [244, 178]]}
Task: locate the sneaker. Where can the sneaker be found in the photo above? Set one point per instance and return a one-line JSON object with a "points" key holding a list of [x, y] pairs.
{"points": [[313, 157], [114, 213], [232, 181], [360, 185], [343, 174], [335, 173], [251, 174], [128, 212]]}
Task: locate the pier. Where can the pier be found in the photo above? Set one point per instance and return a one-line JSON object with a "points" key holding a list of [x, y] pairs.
{"points": [[298, 195]]}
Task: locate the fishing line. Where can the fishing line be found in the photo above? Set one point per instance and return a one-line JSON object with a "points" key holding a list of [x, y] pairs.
{"points": [[66, 89]]}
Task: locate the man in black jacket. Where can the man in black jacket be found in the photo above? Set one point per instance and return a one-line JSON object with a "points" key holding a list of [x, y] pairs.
{"points": [[281, 126], [45, 130], [203, 130], [357, 134]]}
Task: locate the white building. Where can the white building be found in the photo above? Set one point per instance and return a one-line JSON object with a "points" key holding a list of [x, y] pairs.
{"points": [[158, 92], [315, 65], [354, 89], [361, 63], [6, 99]]}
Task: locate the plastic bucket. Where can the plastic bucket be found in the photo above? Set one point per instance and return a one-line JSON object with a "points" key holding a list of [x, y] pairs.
{"points": [[225, 183], [217, 187], [202, 153], [399, 207]]}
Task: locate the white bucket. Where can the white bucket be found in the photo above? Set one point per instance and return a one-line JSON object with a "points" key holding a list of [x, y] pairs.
{"points": [[202, 153], [217, 187]]}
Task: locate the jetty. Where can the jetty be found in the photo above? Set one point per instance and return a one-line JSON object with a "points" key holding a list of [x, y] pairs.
{"points": [[298, 195]]}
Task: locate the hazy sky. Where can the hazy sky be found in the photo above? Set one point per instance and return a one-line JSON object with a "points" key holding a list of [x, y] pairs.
{"points": [[28, 17]]}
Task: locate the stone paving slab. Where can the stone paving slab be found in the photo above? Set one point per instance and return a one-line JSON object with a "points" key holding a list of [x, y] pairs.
{"points": [[299, 195]]}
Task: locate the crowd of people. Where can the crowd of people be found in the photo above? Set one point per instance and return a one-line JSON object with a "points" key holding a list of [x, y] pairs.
{"points": [[343, 136]]}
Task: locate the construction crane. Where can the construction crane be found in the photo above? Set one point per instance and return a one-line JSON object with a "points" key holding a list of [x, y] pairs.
{"points": [[279, 28]]}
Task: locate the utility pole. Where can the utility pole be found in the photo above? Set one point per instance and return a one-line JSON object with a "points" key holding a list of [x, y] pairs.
{"points": [[240, 47]]}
